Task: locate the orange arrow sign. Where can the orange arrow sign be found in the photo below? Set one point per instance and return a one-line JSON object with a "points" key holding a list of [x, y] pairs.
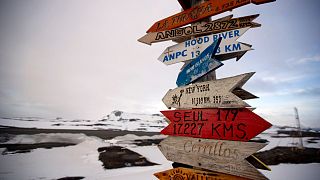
{"points": [[186, 173], [209, 8]]}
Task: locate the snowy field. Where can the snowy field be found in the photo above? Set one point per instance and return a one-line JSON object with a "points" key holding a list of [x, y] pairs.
{"points": [[82, 160], [115, 120]]}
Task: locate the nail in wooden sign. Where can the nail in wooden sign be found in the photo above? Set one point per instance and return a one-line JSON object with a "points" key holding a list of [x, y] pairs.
{"points": [[203, 10], [210, 94], [236, 124], [215, 155], [220, 25], [181, 173], [190, 49], [199, 66]]}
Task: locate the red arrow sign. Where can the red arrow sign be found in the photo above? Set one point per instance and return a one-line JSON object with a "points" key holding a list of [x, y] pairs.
{"points": [[209, 8], [238, 124]]}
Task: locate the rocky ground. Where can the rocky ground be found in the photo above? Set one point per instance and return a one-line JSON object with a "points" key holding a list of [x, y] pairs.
{"points": [[116, 156]]}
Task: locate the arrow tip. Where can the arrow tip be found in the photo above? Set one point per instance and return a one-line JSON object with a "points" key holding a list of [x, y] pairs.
{"points": [[144, 39], [257, 2]]}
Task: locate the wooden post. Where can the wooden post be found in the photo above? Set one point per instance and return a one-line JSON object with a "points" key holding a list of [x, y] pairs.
{"points": [[212, 75], [207, 77]]}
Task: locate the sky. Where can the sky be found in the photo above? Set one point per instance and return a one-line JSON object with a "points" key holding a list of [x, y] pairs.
{"points": [[81, 58]]}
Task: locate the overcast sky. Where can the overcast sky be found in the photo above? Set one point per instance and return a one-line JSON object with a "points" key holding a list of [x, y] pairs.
{"points": [[81, 58]]}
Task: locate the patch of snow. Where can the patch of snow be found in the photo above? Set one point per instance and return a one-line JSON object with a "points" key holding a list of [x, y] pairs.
{"points": [[78, 160], [294, 172], [51, 137], [130, 137]]}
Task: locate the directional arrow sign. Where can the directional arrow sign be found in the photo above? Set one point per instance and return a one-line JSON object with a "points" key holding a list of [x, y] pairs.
{"points": [[237, 55], [216, 155], [200, 65], [206, 9], [237, 124], [190, 49], [210, 94], [181, 173], [220, 25]]}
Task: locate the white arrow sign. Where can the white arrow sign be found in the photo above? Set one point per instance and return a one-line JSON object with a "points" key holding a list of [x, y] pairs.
{"points": [[210, 94], [190, 49], [216, 155]]}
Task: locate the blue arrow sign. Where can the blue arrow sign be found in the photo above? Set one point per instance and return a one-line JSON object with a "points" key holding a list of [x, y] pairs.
{"points": [[200, 66]]}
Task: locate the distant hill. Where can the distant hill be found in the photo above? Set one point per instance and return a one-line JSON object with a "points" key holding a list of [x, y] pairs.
{"points": [[134, 121], [116, 120]]}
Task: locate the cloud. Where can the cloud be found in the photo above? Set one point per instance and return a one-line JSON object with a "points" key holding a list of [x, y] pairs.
{"points": [[313, 92], [281, 80], [303, 60]]}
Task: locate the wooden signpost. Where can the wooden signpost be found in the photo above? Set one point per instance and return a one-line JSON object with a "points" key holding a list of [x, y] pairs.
{"points": [[200, 65], [216, 155], [193, 174], [190, 49], [220, 25], [206, 9], [236, 124], [209, 94], [211, 126]]}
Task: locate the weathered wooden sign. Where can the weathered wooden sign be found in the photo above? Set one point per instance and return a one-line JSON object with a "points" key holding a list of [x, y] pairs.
{"points": [[237, 55], [181, 173], [220, 25], [200, 65], [216, 155], [237, 124], [203, 10], [190, 49], [210, 94]]}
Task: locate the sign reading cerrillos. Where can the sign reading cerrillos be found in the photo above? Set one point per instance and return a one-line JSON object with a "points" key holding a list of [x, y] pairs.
{"points": [[193, 174], [210, 94], [237, 124], [216, 155], [190, 49], [220, 25], [206, 9], [200, 65]]}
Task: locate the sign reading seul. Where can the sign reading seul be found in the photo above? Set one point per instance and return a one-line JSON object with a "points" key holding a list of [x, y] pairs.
{"points": [[206, 9], [200, 66], [216, 155], [237, 124], [210, 94], [203, 28], [190, 49]]}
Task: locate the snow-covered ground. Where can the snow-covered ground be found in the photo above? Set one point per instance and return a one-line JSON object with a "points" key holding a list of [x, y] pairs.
{"points": [[82, 159], [78, 160], [115, 120]]}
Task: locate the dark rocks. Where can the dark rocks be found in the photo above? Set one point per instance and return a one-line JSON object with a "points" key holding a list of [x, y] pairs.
{"points": [[296, 133], [291, 155], [117, 113], [25, 148], [71, 178], [117, 157], [147, 142]]}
